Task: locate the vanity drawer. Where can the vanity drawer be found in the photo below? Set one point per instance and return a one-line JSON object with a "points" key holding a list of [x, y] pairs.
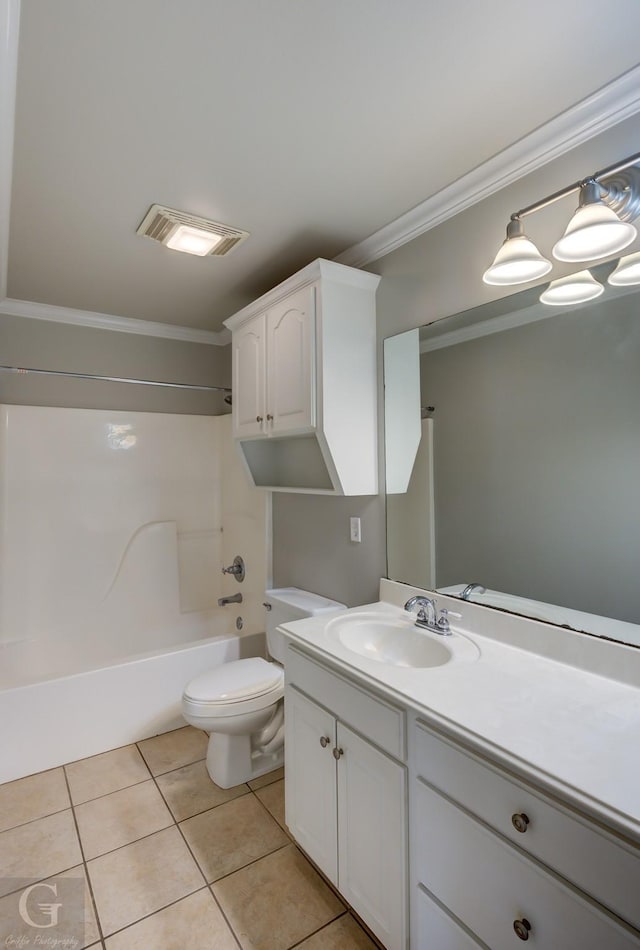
{"points": [[606, 868], [435, 929], [375, 718], [493, 888]]}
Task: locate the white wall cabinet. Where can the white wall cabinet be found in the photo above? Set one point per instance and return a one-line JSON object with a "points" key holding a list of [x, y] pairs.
{"points": [[273, 369], [304, 383], [345, 805]]}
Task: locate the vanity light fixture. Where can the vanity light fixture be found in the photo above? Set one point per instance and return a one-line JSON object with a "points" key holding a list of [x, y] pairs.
{"points": [[189, 232], [609, 201], [627, 272], [575, 288], [518, 260]]}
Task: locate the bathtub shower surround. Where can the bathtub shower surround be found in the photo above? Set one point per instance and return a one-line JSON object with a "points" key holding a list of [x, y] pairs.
{"points": [[114, 527]]}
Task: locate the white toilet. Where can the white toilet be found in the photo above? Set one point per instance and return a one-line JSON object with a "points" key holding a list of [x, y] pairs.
{"points": [[240, 704]]}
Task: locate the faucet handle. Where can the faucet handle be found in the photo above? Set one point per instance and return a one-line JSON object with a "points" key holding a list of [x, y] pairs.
{"points": [[442, 623]]}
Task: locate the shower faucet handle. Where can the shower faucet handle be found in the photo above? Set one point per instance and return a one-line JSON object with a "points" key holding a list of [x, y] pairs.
{"points": [[237, 569]]}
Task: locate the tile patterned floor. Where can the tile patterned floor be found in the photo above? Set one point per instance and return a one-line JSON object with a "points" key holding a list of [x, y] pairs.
{"points": [[165, 859]]}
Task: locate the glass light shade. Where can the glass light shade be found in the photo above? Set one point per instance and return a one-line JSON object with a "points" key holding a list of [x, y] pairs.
{"points": [[627, 272], [594, 231], [517, 261], [193, 240], [575, 288]]}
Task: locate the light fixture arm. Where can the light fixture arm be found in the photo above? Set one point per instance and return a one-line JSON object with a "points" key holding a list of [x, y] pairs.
{"points": [[623, 191]]}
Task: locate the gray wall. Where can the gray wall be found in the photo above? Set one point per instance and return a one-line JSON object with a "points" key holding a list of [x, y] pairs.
{"points": [[437, 274], [537, 454], [56, 346]]}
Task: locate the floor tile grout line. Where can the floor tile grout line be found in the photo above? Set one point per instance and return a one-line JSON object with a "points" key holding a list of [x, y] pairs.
{"points": [[113, 791], [128, 844], [207, 884], [271, 815], [198, 890], [132, 745], [319, 930], [180, 832], [23, 824], [250, 863], [46, 877], [202, 758], [197, 814], [84, 862]]}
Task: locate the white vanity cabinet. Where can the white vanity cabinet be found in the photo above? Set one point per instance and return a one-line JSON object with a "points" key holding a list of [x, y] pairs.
{"points": [[495, 862], [345, 794], [304, 383]]}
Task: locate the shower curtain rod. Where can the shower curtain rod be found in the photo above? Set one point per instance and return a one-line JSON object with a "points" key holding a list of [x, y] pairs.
{"points": [[115, 379]]}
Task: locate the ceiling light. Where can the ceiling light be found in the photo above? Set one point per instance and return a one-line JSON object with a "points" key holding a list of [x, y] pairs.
{"points": [[189, 232], [609, 201], [193, 240], [576, 288], [595, 230], [627, 272], [518, 260]]}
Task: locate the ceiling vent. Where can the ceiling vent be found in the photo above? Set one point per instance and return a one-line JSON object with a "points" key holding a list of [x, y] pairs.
{"points": [[190, 233]]}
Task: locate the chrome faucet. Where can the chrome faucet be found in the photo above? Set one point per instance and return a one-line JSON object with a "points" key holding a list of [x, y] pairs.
{"points": [[427, 615], [470, 588], [233, 599]]}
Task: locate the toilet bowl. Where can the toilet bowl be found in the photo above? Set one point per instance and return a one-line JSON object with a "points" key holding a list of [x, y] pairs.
{"points": [[241, 704]]}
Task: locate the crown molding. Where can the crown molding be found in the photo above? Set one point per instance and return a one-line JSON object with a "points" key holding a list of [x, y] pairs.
{"points": [[614, 103], [107, 321], [9, 33]]}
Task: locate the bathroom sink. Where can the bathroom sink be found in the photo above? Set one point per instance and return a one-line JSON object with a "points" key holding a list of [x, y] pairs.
{"points": [[396, 642]]}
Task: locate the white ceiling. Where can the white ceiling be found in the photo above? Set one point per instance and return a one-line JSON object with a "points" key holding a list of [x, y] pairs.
{"points": [[309, 123]]}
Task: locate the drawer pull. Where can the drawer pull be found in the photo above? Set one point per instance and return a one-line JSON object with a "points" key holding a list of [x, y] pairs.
{"points": [[324, 741], [269, 417], [337, 753], [520, 822], [522, 928], [258, 418]]}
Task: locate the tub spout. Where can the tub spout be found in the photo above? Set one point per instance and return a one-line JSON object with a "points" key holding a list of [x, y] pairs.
{"points": [[233, 599]]}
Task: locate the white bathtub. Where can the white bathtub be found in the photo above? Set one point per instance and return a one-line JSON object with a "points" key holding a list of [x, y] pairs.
{"points": [[59, 718]]}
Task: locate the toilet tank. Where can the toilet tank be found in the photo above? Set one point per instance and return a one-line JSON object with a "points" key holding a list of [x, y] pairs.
{"points": [[291, 603]]}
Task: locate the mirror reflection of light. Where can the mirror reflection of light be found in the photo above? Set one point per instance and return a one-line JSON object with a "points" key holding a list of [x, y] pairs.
{"points": [[120, 436]]}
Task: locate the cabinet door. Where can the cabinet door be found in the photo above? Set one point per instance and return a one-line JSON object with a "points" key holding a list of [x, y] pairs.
{"points": [[291, 363], [248, 348], [310, 780], [372, 837]]}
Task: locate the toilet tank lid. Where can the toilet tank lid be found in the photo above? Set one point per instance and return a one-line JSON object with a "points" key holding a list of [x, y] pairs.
{"points": [[304, 600]]}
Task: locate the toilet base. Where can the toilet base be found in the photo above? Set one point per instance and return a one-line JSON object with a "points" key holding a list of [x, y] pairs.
{"points": [[231, 760]]}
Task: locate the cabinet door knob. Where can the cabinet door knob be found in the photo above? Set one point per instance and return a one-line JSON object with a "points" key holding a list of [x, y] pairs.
{"points": [[337, 753], [324, 742], [520, 822], [269, 417], [258, 418], [522, 928]]}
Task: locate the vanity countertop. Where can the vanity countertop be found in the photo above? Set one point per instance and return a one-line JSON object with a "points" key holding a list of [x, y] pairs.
{"points": [[571, 731]]}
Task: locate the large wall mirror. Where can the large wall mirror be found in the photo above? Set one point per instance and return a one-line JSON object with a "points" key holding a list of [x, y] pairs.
{"points": [[523, 438]]}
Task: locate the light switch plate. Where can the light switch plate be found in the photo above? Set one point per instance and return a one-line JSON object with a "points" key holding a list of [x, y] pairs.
{"points": [[354, 529]]}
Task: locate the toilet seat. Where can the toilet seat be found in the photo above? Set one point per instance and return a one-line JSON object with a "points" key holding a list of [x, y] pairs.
{"points": [[234, 688]]}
